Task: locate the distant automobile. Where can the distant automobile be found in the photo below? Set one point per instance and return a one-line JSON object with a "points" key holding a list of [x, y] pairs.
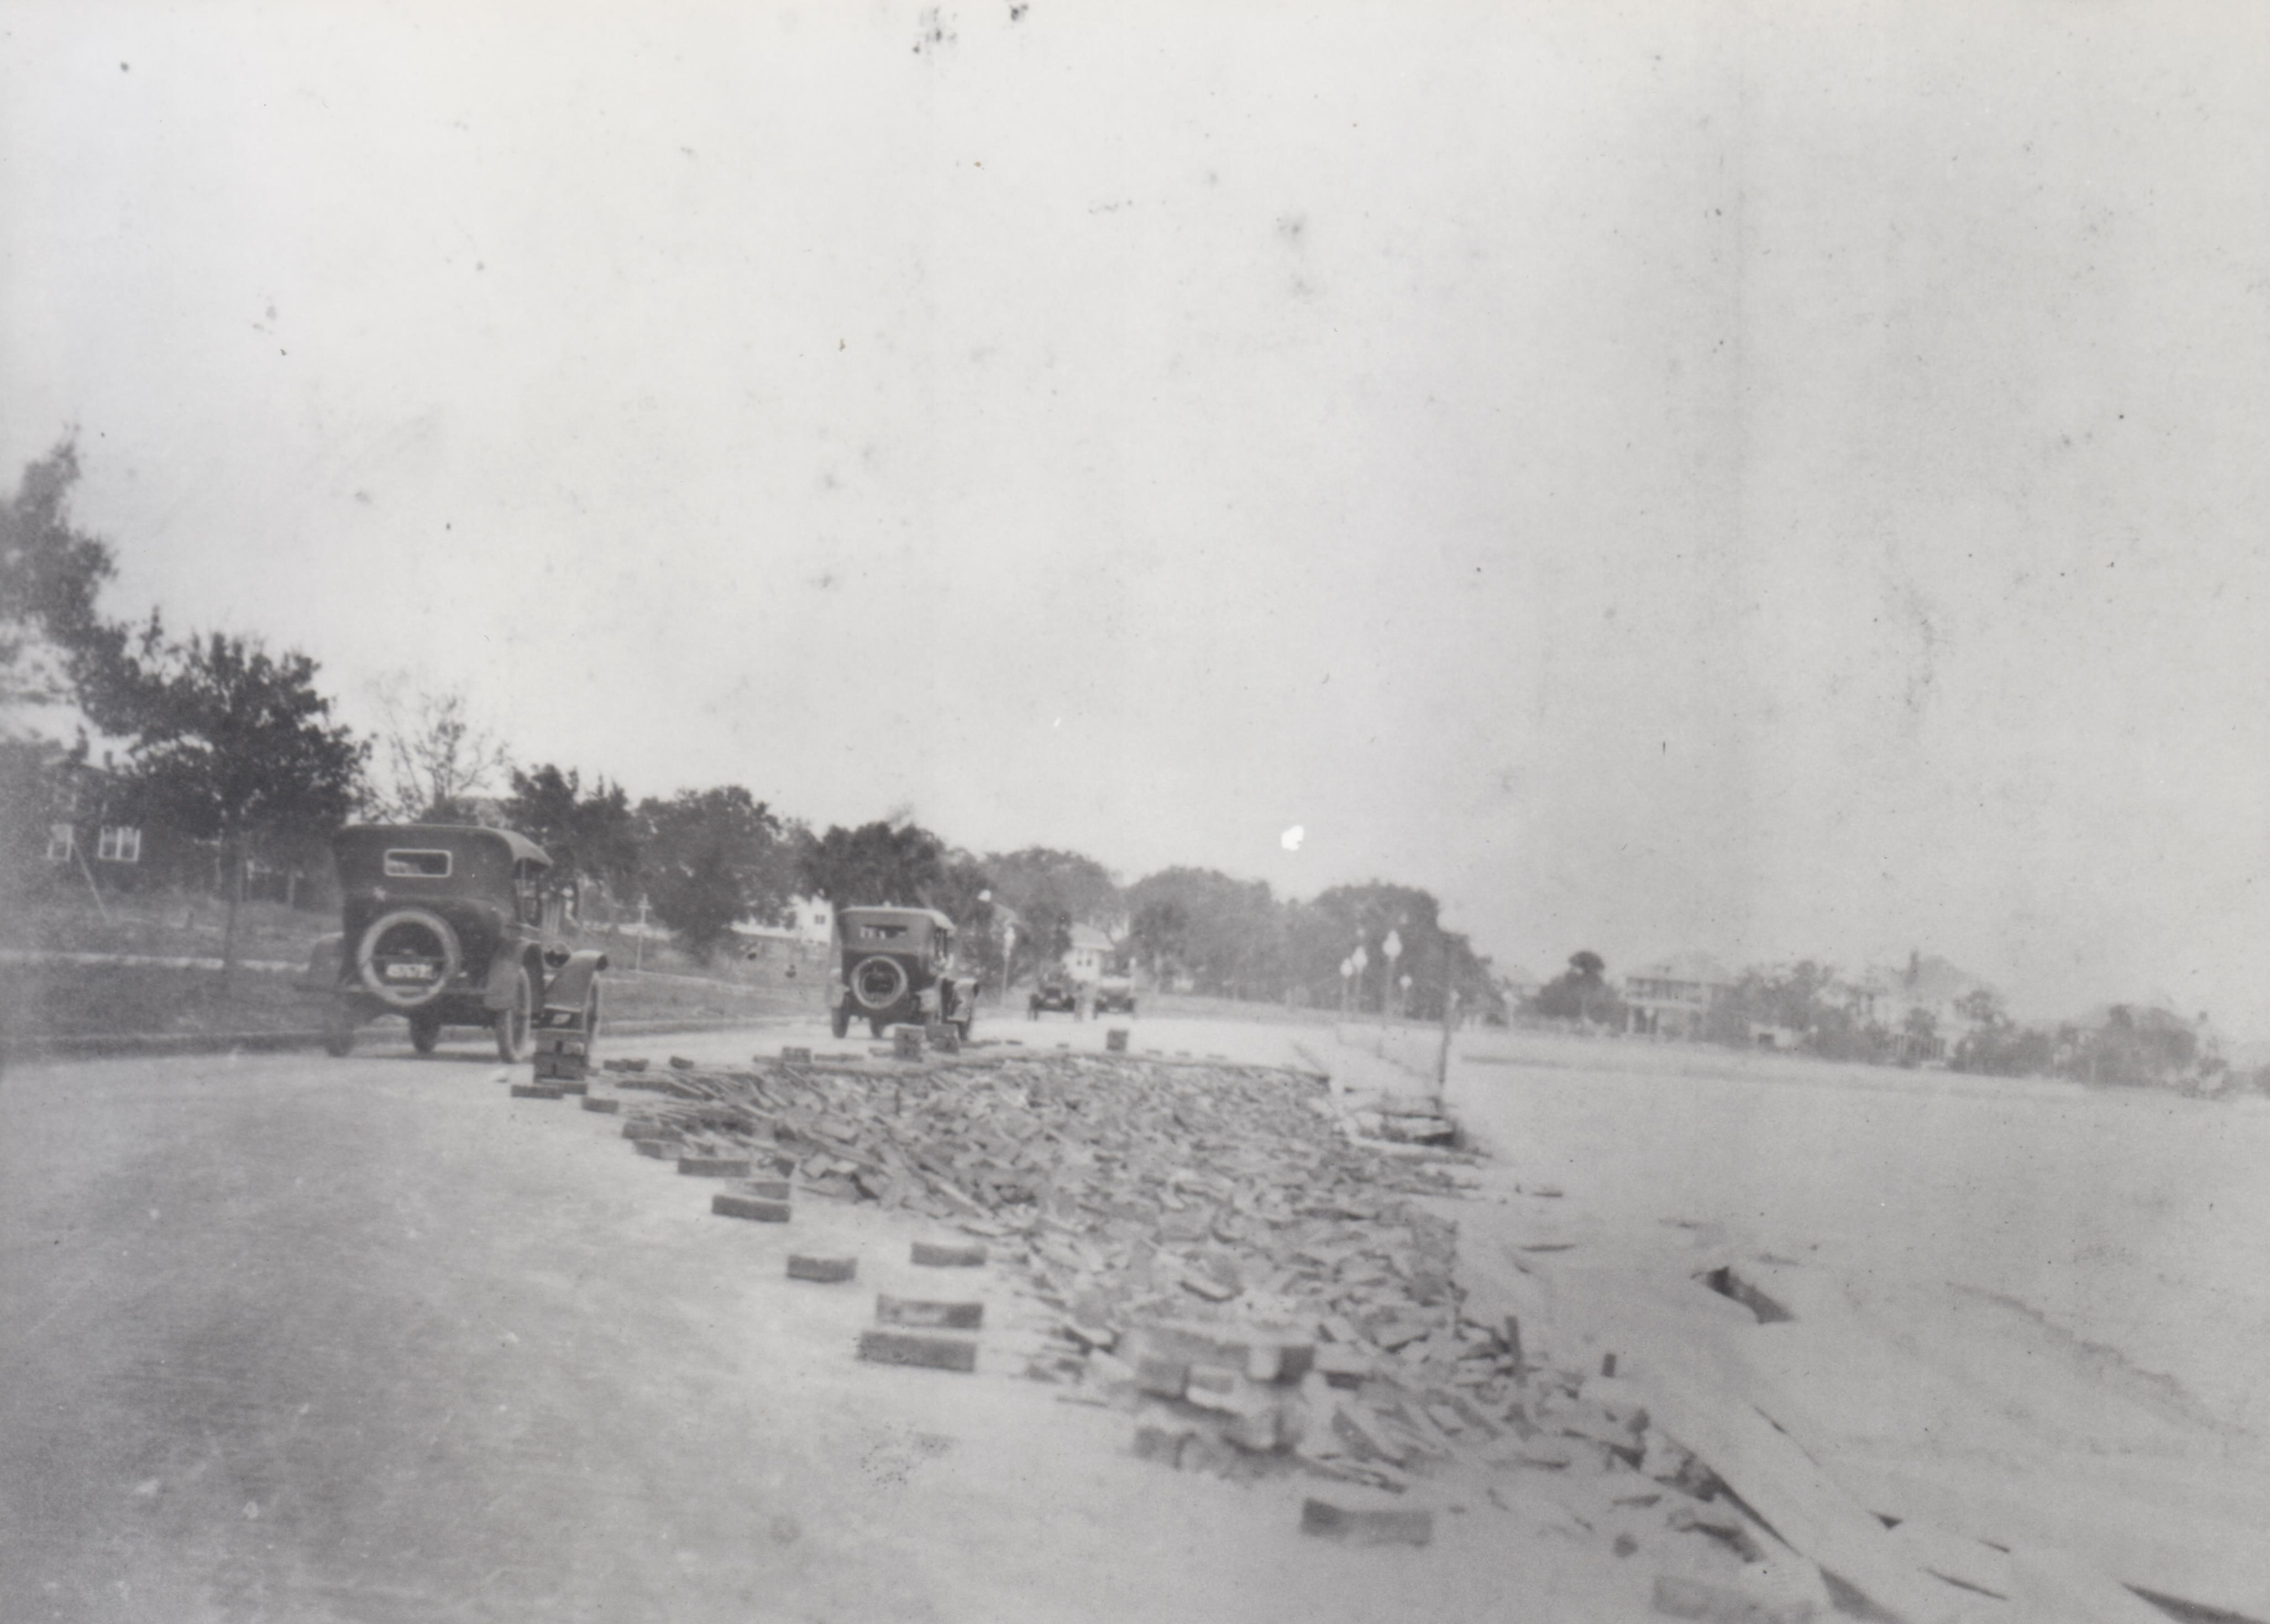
{"points": [[896, 964], [1054, 990], [1114, 992]]}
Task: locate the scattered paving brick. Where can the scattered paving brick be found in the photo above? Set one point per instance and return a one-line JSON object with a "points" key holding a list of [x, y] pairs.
{"points": [[534, 1091], [679, 1062], [928, 1314], [728, 1203], [828, 1270], [602, 1103], [714, 1166], [934, 1350], [1206, 1215], [1328, 1520], [794, 1052], [948, 1254]]}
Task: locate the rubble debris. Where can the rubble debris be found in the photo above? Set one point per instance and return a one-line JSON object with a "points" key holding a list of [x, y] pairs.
{"points": [[828, 1270], [1260, 1291], [933, 1350]]}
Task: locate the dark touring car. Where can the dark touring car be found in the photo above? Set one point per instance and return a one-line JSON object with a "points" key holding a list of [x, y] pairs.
{"points": [[896, 964], [450, 926]]}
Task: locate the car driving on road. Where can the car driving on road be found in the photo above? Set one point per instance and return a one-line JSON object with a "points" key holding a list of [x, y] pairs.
{"points": [[896, 964], [451, 926]]}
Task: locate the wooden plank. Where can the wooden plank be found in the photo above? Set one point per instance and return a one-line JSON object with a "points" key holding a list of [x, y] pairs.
{"points": [[1793, 1493], [2214, 1561]]}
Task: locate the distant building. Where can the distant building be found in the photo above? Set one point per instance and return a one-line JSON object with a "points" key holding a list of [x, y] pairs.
{"points": [[812, 922], [1672, 997], [1928, 1005], [1090, 955]]}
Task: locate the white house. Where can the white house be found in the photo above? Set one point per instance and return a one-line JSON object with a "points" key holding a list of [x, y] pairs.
{"points": [[1090, 954]]}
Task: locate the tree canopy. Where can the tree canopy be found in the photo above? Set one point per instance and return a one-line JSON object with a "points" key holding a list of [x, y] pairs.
{"points": [[714, 857], [593, 834], [879, 863], [228, 743], [52, 637]]}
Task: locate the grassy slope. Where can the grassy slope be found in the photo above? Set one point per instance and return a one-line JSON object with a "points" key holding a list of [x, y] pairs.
{"points": [[44, 1000]]}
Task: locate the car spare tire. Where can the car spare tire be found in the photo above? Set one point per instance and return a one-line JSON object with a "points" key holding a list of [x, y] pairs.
{"points": [[879, 982], [408, 957]]}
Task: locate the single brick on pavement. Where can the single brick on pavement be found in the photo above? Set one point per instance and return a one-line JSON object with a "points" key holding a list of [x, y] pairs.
{"points": [[726, 1204], [1351, 1526], [815, 1267], [929, 1315], [934, 1350], [949, 1254]]}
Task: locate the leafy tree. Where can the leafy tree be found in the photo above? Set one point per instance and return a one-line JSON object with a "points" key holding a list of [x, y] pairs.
{"points": [[1581, 992], [438, 758], [1437, 960], [875, 864], [714, 857], [594, 834], [52, 640], [1228, 936], [1053, 891], [228, 743], [1159, 935]]}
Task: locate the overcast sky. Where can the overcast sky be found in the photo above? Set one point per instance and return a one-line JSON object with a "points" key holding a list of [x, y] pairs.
{"points": [[1778, 479]]}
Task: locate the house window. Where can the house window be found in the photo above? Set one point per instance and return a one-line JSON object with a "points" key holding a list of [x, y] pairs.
{"points": [[117, 844], [60, 842]]}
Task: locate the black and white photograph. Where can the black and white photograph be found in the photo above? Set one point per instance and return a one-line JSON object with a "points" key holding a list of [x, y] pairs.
{"points": [[1002, 813]]}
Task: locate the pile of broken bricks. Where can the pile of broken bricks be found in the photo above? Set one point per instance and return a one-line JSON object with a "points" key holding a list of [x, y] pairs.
{"points": [[1263, 1294]]}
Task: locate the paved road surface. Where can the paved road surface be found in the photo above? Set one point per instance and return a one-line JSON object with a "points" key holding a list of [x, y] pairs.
{"points": [[296, 1339]]}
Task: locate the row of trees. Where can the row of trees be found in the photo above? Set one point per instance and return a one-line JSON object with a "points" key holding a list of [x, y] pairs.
{"points": [[1834, 1019], [220, 741]]}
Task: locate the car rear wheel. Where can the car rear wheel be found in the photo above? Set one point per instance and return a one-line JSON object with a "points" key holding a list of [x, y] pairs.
{"points": [[514, 1045], [425, 1032]]}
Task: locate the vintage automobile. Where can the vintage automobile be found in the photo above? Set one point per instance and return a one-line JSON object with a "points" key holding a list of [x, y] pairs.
{"points": [[1053, 989], [450, 926], [1114, 992], [896, 964]]}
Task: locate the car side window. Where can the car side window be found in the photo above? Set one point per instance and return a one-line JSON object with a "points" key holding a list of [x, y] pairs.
{"points": [[527, 892]]}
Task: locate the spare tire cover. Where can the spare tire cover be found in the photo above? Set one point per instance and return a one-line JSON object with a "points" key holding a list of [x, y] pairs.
{"points": [[408, 957], [879, 982]]}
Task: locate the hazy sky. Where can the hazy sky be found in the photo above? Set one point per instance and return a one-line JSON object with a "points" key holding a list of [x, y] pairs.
{"points": [[1774, 478]]}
